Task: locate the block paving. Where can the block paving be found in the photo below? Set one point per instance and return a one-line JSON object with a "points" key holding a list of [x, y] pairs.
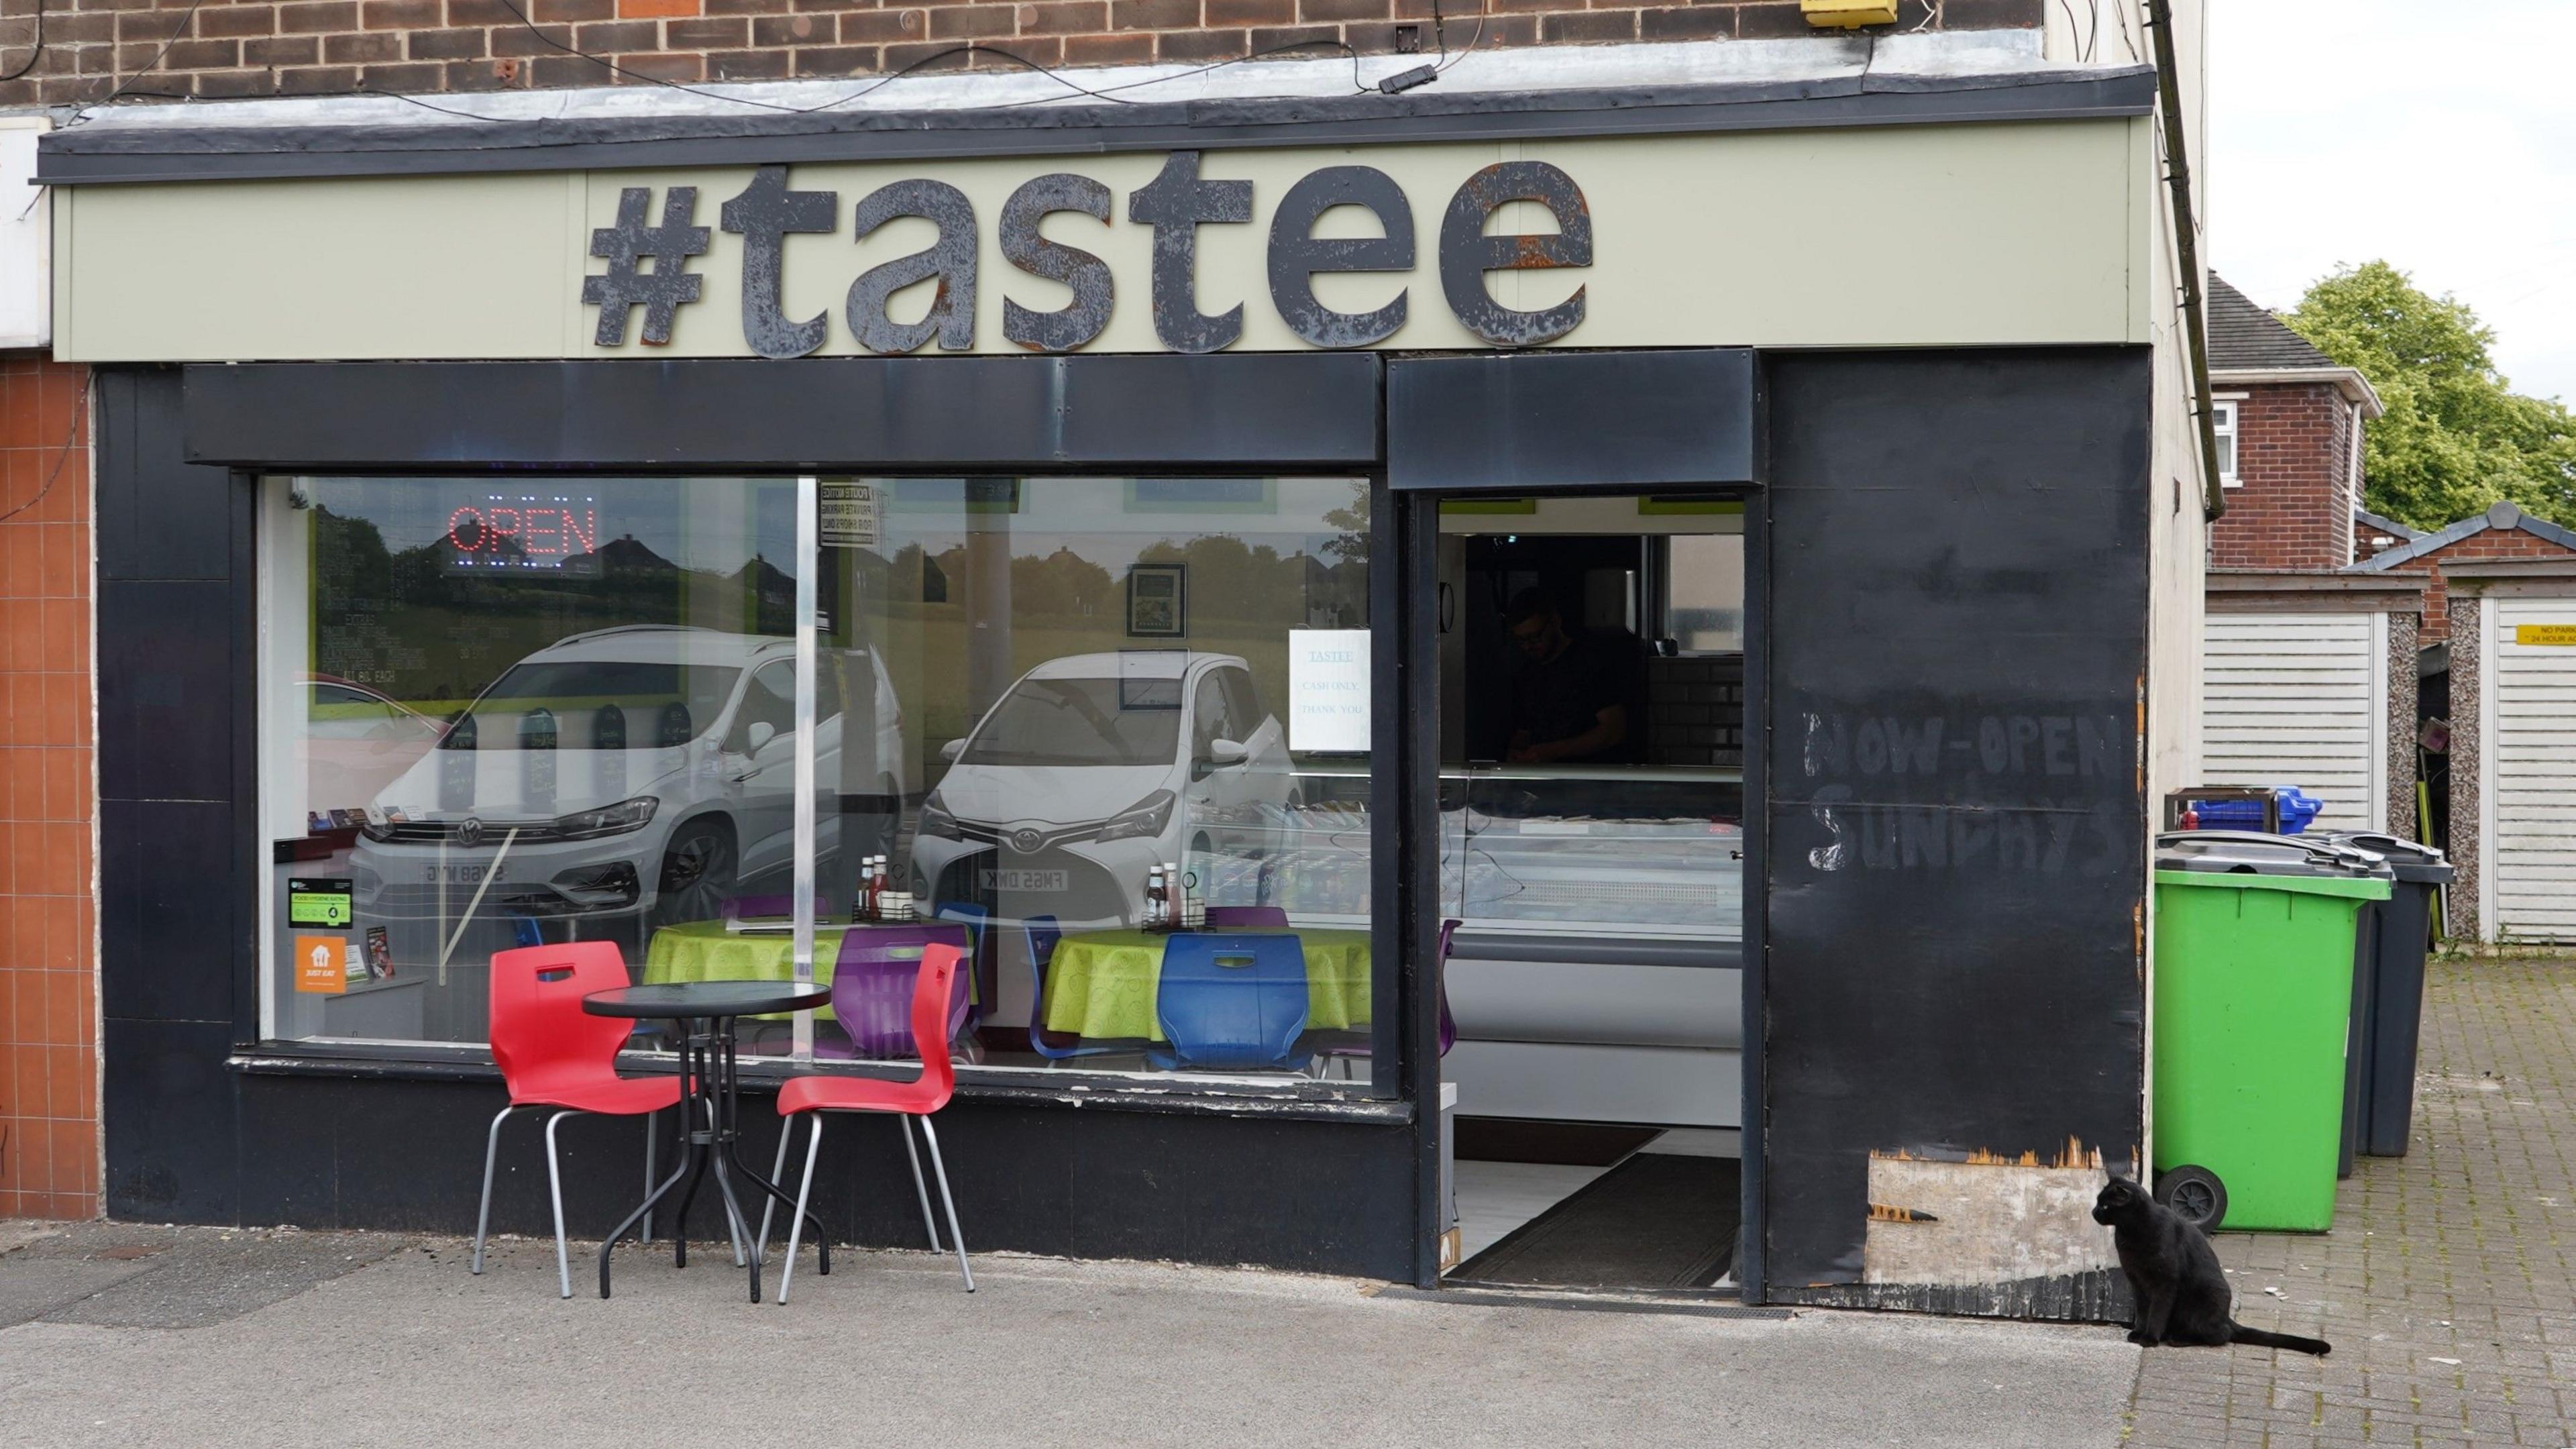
{"points": [[2445, 1286]]}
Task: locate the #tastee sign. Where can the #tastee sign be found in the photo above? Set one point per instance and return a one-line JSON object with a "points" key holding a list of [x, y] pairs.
{"points": [[649, 253]]}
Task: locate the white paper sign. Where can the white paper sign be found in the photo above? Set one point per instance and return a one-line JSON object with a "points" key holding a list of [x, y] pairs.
{"points": [[1328, 690], [849, 515]]}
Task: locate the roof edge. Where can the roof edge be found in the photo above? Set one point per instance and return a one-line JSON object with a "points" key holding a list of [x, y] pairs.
{"points": [[2349, 381], [141, 154]]}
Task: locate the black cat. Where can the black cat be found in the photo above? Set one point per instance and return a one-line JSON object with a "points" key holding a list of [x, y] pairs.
{"points": [[2181, 1292]]}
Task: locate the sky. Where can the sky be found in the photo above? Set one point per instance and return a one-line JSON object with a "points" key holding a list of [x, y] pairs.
{"points": [[2437, 134]]}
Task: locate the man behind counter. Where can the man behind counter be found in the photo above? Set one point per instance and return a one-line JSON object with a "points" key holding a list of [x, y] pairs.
{"points": [[1571, 698]]}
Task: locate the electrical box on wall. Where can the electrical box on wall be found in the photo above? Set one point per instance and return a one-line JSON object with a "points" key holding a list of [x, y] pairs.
{"points": [[26, 238], [1848, 14]]}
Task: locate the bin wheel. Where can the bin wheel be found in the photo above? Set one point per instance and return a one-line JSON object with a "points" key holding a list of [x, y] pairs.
{"points": [[2196, 1194]]}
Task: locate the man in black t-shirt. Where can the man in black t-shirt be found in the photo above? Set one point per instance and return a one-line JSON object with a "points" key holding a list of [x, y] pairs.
{"points": [[1570, 698]]}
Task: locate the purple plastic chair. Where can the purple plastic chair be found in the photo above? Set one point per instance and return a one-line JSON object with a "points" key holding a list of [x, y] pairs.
{"points": [[1247, 918], [872, 982], [1357, 1045]]}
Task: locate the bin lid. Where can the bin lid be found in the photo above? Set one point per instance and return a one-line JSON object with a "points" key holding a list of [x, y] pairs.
{"points": [[2413, 861], [2244, 858]]}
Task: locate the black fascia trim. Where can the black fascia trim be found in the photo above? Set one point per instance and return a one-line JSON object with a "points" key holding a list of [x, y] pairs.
{"points": [[139, 154], [1568, 420], [1304, 409]]}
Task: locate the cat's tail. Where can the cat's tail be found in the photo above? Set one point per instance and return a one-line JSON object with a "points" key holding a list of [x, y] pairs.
{"points": [[2239, 1333]]}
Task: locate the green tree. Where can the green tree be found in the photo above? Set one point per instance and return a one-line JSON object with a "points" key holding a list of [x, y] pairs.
{"points": [[2456, 437]]}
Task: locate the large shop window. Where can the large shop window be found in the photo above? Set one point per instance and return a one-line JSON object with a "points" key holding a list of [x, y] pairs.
{"points": [[503, 712]]}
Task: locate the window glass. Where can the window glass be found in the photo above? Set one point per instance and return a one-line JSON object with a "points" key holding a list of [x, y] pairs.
{"points": [[2222, 423], [521, 721], [555, 711], [1067, 653]]}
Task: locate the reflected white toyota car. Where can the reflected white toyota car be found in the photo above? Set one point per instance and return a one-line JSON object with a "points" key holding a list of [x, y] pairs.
{"points": [[639, 770], [1092, 768]]}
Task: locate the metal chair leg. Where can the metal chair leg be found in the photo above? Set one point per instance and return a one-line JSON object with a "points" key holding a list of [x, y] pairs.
{"points": [[920, 1189], [804, 1193], [652, 1121], [554, 1182], [777, 1165], [491, 1150], [954, 1234]]}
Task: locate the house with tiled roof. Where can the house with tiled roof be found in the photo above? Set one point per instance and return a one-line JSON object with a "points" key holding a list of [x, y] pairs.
{"points": [[2394, 672], [2308, 672]]}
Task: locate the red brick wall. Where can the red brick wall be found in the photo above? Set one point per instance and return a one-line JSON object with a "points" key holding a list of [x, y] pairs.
{"points": [[2487, 543], [2294, 461], [317, 47], [48, 965]]}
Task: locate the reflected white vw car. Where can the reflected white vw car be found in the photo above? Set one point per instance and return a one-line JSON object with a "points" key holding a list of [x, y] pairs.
{"points": [[640, 770]]}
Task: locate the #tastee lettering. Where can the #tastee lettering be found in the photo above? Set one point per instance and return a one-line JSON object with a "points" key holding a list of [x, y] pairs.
{"points": [[648, 259]]}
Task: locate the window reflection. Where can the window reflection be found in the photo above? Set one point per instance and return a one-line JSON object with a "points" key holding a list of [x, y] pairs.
{"points": [[498, 716]]}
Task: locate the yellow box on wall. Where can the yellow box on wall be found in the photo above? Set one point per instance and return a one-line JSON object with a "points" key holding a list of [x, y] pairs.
{"points": [[1848, 14]]}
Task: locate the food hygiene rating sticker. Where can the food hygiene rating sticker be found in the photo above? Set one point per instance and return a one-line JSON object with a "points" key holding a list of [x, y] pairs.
{"points": [[318, 902]]}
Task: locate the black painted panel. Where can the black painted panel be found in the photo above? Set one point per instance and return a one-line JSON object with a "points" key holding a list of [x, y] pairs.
{"points": [[408, 1156], [159, 517], [1317, 409], [1517, 422], [170, 675], [1957, 654], [167, 1114], [176, 911]]}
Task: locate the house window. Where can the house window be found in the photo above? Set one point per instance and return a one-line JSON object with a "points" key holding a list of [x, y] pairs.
{"points": [[2222, 421]]}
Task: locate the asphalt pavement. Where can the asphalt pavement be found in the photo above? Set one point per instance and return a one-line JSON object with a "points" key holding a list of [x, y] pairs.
{"points": [[145, 1336]]}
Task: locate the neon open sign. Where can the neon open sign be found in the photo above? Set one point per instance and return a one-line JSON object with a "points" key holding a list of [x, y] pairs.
{"points": [[524, 533]]}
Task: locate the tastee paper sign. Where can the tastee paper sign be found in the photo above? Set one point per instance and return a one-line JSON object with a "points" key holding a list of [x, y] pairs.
{"points": [[848, 515], [1328, 690]]}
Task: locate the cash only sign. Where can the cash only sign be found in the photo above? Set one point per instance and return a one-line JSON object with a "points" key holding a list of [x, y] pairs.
{"points": [[648, 251]]}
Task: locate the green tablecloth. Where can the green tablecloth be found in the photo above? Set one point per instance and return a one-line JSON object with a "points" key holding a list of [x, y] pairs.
{"points": [[706, 951], [1102, 983]]}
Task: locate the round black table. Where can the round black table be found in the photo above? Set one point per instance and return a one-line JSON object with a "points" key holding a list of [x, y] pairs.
{"points": [[705, 1012]]}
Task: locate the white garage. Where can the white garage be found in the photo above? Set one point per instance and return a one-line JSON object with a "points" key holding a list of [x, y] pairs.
{"points": [[2296, 689], [2527, 759]]}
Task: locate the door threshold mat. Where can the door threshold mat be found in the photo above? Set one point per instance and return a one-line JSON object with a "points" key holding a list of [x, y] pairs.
{"points": [[1654, 1221]]}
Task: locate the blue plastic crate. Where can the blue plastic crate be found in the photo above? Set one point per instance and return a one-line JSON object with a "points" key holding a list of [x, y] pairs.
{"points": [[2298, 810]]}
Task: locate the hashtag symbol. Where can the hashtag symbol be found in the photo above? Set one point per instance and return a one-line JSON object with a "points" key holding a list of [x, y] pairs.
{"points": [[632, 242]]}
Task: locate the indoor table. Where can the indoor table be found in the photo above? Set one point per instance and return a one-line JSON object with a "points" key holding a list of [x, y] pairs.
{"points": [[1101, 984], [705, 1013]]}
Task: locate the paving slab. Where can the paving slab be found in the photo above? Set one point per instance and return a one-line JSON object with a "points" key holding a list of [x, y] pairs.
{"points": [[2448, 1284]]}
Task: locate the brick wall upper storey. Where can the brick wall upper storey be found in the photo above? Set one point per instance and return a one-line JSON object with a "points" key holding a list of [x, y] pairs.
{"points": [[216, 49], [2293, 506]]}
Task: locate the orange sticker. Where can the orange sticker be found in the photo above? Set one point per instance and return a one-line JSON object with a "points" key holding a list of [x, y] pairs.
{"points": [[322, 964]]}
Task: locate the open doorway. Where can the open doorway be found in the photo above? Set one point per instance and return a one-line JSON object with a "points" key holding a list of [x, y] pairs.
{"points": [[1592, 852]]}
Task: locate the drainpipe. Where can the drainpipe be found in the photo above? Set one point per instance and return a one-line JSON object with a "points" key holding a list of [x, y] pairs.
{"points": [[2159, 23]]}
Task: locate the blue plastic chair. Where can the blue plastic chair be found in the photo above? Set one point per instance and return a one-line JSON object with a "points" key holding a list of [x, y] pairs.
{"points": [[978, 922], [1231, 1001], [1043, 936]]}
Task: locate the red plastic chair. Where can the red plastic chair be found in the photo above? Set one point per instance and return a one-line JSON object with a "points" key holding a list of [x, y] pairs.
{"points": [[912, 1101], [554, 1054]]}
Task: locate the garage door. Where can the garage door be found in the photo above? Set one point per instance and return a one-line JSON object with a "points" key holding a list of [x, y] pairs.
{"points": [[2294, 699], [2532, 777]]}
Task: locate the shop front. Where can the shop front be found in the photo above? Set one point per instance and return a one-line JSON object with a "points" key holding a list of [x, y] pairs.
{"points": [[1635, 611]]}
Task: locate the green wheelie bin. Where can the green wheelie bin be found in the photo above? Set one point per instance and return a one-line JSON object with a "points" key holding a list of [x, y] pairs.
{"points": [[2252, 1010]]}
